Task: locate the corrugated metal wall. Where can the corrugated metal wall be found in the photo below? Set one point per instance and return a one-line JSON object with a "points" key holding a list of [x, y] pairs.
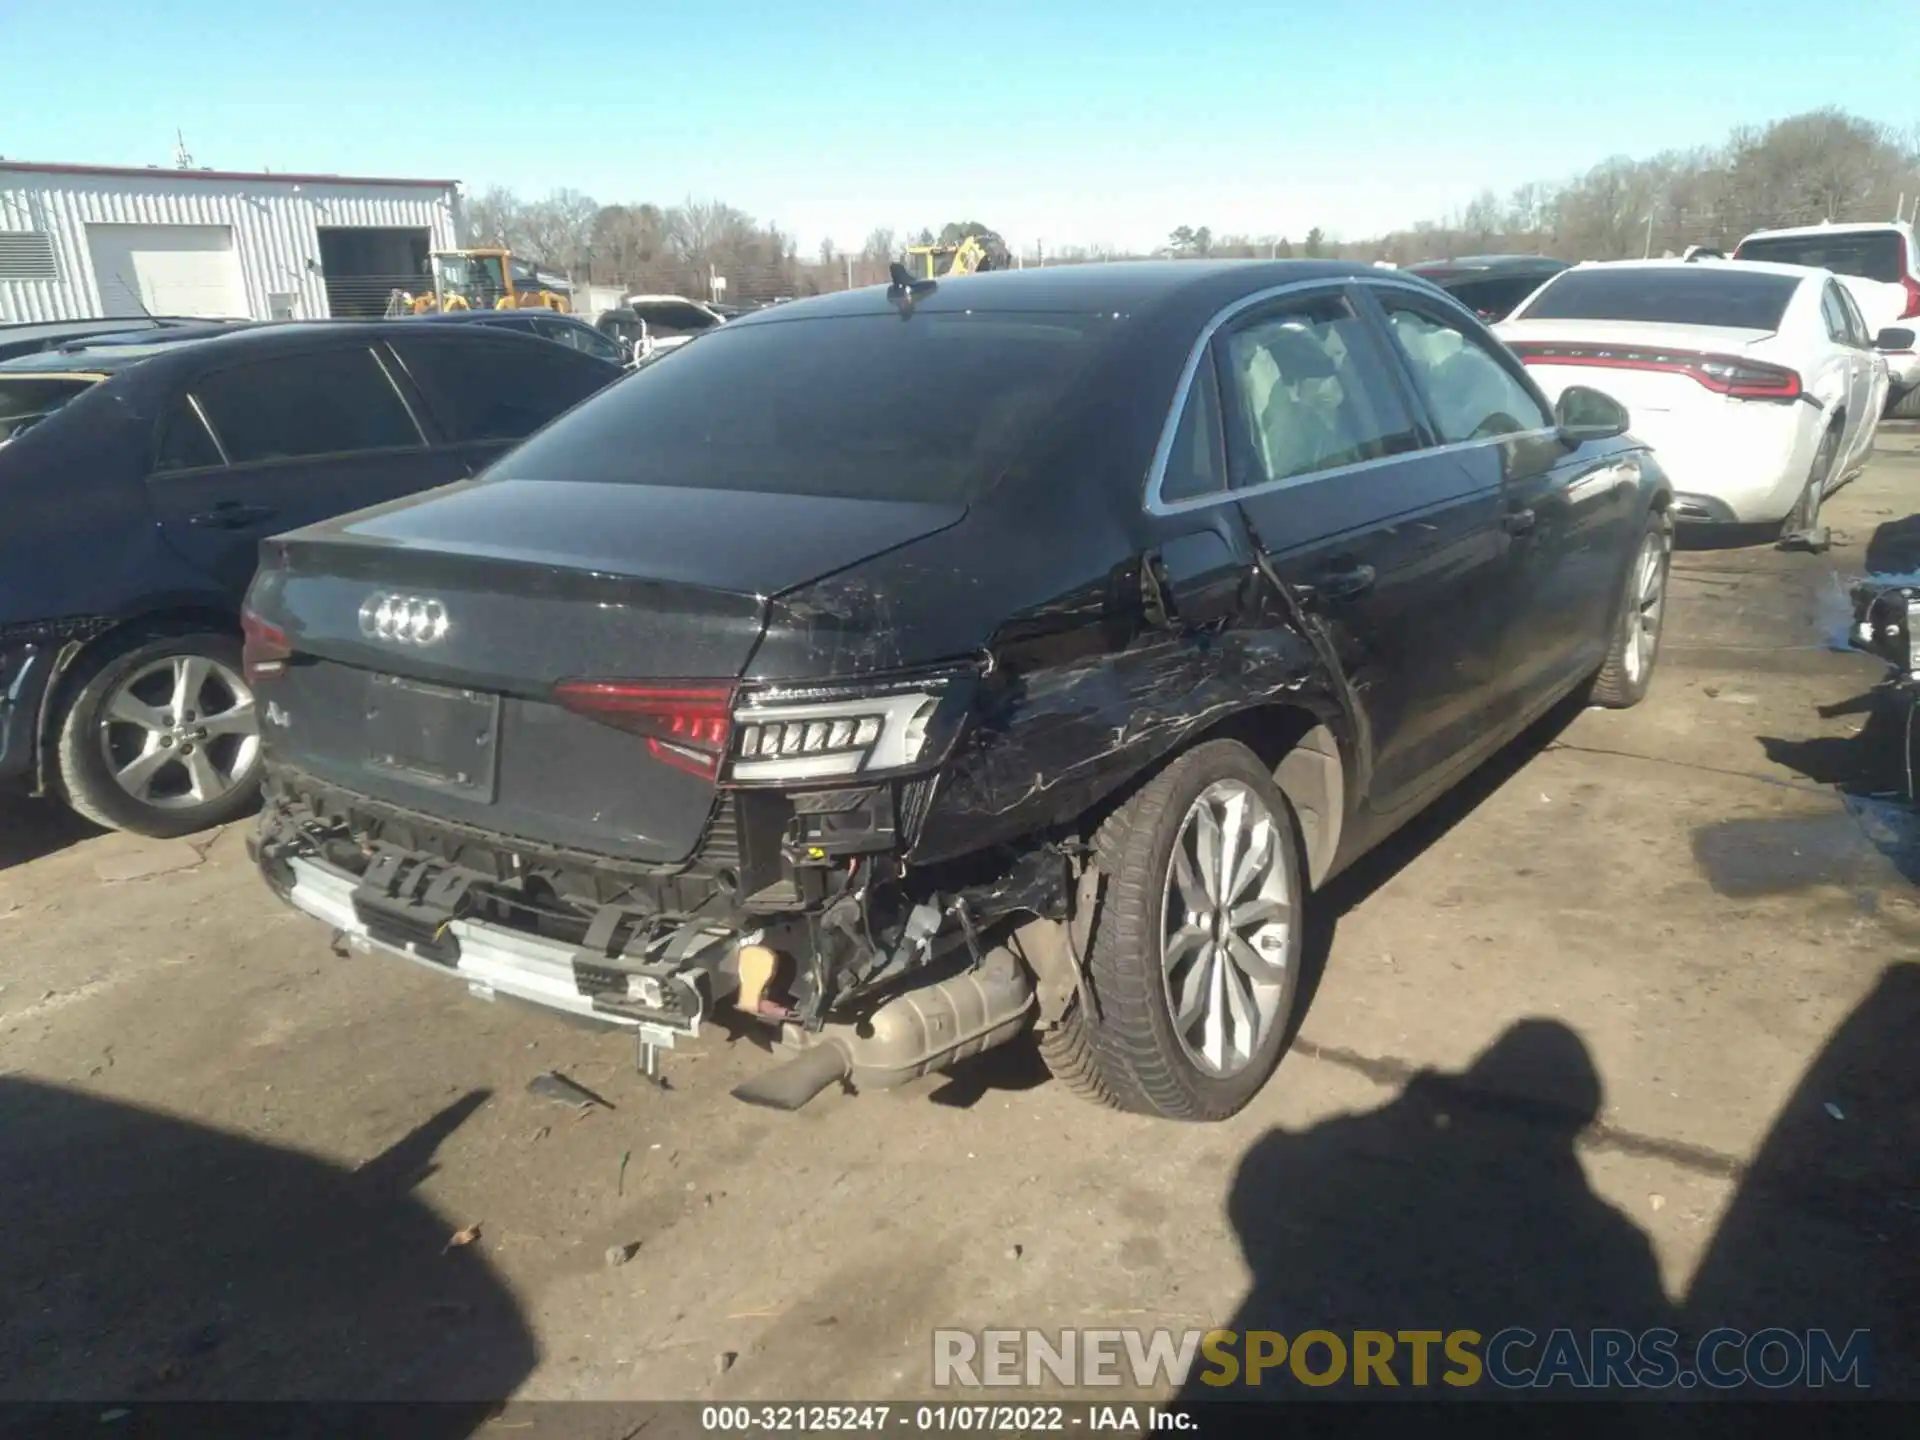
{"points": [[275, 227]]}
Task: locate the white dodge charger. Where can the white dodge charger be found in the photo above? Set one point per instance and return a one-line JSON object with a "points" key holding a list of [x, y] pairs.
{"points": [[1757, 385]]}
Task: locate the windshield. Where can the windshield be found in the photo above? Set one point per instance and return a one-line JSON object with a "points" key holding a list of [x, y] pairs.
{"points": [[1868, 254], [870, 407], [1697, 295], [477, 279], [26, 401]]}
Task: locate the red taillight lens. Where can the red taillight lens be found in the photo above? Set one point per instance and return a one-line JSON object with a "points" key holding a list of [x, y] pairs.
{"points": [[264, 650], [1727, 374], [1912, 287], [687, 723]]}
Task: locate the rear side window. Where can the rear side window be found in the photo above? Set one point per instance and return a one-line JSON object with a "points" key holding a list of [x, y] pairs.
{"points": [[927, 408], [1721, 295], [27, 400], [329, 402], [1871, 254], [1196, 465], [184, 443], [499, 391]]}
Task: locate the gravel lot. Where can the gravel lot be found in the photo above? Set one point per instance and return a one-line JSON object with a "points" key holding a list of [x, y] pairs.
{"points": [[1570, 1056]]}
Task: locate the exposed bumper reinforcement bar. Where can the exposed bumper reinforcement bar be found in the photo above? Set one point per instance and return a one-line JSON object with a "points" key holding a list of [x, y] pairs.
{"points": [[491, 959]]}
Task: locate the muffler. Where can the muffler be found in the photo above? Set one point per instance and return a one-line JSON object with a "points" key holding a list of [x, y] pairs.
{"points": [[915, 1033]]}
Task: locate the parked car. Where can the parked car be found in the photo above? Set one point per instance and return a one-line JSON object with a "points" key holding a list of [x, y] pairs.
{"points": [[1758, 385], [30, 337], [137, 483], [569, 330], [646, 323], [909, 667], [1879, 264], [1489, 285]]}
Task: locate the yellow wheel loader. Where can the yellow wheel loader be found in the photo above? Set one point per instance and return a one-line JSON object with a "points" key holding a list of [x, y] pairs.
{"points": [[484, 280]]}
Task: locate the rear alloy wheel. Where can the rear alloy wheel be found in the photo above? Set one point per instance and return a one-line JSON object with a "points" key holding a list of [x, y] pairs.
{"points": [[1624, 678], [161, 738], [1802, 529], [1195, 958]]}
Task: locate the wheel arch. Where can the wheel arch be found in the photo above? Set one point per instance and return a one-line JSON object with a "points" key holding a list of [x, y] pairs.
{"points": [[182, 617]]}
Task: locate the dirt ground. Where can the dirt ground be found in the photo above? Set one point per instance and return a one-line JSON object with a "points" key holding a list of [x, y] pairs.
{"points": [[1625, 1032]]}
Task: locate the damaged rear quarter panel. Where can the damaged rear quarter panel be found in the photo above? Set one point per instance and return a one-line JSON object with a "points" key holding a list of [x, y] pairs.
{"points": [[1084, 693]]}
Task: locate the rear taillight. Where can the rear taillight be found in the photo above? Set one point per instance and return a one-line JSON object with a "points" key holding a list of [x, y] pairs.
{"points": [[1912, 287], [264, 649], [686, 723], [1726, 374]]}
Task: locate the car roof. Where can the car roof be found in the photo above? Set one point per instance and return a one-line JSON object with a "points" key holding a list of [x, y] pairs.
{"points": [[1848, 227], [492, 317], [1489, 264], [1121, 286], [1695, 267], [263, 339]]}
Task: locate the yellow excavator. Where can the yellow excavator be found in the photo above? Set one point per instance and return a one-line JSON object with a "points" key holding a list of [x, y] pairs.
{"points": [[484, 280], [976, 252]]}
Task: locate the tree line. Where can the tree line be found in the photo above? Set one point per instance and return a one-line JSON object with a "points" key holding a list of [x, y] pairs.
{"points": [[1825, 164], [1822, 165]]}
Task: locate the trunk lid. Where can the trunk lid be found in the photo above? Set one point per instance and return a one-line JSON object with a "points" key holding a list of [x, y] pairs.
{"points": [[497, 590]]}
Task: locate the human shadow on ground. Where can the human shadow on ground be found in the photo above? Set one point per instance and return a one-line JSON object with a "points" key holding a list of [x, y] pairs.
{"points": [[1461, 1204], [147, 1258]]}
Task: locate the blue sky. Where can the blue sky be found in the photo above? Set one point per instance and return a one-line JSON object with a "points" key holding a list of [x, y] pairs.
{"points": [[1095, 121]]}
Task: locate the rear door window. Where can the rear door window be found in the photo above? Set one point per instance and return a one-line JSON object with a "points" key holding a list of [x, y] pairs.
{"points": [[498, 390], [327, 402], [1834, 314], [1870, 254], [1716, 295], [1309, 393]]}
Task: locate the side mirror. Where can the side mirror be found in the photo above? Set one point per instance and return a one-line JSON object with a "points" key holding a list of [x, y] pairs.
{"points": [[1584, 414], [1894, 337]]}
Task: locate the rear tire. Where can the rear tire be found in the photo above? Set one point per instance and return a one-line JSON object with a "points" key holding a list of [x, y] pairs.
{"points": [[1212, 823], [1801, 528], [159, 737], [1627, 673]]}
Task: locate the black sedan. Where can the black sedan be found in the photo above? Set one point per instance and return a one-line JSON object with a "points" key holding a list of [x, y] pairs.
{"points": [[914, 667], [1490, 285], [568, 330], [138, 480]]}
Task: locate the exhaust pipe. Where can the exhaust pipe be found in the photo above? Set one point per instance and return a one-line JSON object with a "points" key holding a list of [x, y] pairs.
{"points": [[915, 1033]]}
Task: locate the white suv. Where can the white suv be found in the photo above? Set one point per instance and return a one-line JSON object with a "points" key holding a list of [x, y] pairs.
{"points": [[1879, 263]]}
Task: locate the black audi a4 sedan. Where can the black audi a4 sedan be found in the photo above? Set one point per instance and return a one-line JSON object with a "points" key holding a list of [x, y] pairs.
{"points": [[914, 667]]}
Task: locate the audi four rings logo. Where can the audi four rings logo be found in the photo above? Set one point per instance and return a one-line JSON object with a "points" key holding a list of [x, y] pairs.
{"points": [[404, 619]]}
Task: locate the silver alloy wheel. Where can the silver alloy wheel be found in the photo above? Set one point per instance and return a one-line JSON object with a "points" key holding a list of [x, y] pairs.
{"points": [[1646, 603], [1225, 919], [180, 732]]}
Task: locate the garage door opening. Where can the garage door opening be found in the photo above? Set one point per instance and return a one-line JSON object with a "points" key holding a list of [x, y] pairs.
{"points": [[167, 270], [363, 266]]}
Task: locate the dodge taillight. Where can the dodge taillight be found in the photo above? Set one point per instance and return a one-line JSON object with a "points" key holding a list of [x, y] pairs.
{"points": [[1732, 375], [264, 649], [686, 723]]}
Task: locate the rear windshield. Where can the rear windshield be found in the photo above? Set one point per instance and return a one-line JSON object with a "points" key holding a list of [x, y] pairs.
{"points": [[27, 400], [928, 408], [1869, 254], [1697, 295]]}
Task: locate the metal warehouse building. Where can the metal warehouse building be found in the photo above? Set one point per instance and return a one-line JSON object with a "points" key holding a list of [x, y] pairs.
{"points": [[79, 241]]}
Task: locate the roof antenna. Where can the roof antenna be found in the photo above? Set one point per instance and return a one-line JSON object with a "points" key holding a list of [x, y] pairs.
{"points": [[181, 159], [905, 289]]}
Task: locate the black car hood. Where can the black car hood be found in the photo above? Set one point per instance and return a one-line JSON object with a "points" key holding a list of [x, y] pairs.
{"points": [[745, 541]]}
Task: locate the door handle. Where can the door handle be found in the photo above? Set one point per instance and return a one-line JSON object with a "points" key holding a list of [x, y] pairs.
{"points": [[1519, 520], [1346, 583], [232, 515]]}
